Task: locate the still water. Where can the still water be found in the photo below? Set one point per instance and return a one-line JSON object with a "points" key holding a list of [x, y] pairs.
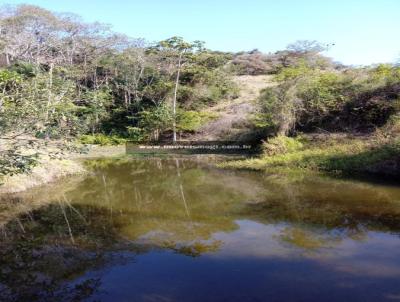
{"points": [[182, 230]]}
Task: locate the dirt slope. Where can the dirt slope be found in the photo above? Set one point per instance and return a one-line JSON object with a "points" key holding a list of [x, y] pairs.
{"points": [[232, 122]]}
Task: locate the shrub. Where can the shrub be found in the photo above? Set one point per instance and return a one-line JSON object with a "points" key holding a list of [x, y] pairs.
{"points": [[279, 107], [192, 120], [154, 121], [281, 145], [201, 87], [135, 134], [251, 63], [307, 99], [101, 139], [14, 163]]}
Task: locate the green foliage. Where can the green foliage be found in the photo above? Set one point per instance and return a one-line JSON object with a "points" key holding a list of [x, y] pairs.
{"points": [[281, 145], [158, 91], [177, 44], [332, 155], [309, 98], [213, 59], [154, 121], [123, 87], [25, 69], [135, 134], [278, 108], [301, 69], [94, 109], [356, 162], [8, 77], [14, 163], [192, 120], [109, 84], [323, 95], [101, 139], [201, 86]]}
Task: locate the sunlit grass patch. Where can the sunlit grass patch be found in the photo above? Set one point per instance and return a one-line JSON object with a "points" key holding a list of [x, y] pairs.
{"points": [[351, 155], [101, 139]]}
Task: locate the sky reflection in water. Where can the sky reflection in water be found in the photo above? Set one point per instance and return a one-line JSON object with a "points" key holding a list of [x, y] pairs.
{"points": [[181, 230]]}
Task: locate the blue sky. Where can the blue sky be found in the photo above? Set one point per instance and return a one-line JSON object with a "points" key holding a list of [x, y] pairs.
{"points": [[364, 31]]}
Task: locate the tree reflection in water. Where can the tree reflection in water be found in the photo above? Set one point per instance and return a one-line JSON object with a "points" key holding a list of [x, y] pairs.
{"points": [[52, 236]]}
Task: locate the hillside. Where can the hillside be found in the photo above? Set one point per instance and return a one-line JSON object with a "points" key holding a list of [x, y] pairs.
{"points": [[94, 87], [232, 116]]}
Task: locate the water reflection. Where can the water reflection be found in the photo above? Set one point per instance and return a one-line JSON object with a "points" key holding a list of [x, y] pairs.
{"points": [[164, 229]]}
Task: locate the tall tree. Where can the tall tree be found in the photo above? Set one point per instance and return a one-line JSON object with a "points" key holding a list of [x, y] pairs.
{"points": [[181, 52]]}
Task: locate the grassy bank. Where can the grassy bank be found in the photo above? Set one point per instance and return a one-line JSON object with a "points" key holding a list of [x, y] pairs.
{"points": [[44, 172], [342, 154], [48, 169]]}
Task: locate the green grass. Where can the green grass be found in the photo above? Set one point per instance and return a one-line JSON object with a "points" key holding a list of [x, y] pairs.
{"points": [[344, 156], [101, 139]]}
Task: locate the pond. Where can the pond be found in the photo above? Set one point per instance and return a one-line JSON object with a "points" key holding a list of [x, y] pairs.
{"points": [[180, 229]]}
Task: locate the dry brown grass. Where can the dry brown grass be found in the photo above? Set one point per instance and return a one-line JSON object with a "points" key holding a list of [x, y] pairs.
{"points": [[233, 115], [50, 169], [47, 171]]}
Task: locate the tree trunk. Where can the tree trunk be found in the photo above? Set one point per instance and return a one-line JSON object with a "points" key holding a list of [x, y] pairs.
{"points": [[175, 96], [50, 87], [283, 129], [126, 100], [1, 99]]}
